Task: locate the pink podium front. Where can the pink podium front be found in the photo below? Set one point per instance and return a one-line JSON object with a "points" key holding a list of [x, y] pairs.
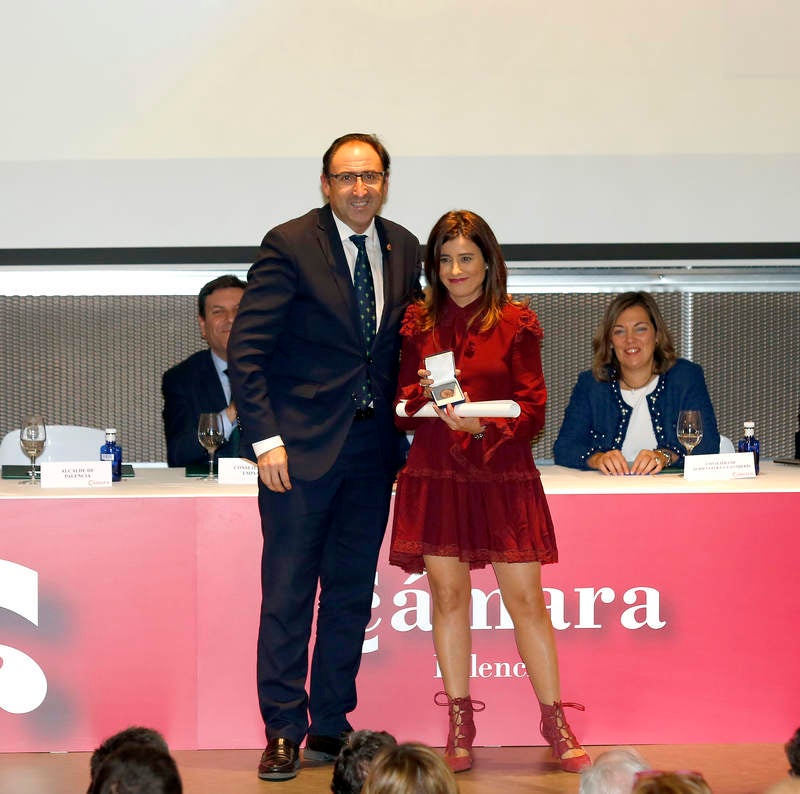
{"points": [[673, 603]]}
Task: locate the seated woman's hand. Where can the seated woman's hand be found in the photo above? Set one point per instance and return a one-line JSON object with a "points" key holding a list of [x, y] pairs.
{"points": [[611, 462], [648, 461]]}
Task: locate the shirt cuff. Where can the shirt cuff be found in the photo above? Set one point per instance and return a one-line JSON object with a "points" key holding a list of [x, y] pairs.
{"points": [[260, 447]]}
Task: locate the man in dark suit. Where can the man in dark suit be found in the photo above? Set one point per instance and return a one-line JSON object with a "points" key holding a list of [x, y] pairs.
{"points": [[313, 357], [200, 383]]}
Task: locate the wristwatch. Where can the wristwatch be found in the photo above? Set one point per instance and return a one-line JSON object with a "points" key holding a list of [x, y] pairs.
{"points": [[666, 455]]}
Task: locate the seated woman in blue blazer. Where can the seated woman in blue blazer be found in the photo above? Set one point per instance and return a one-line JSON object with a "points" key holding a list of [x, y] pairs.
{"points": [[622, 414]]}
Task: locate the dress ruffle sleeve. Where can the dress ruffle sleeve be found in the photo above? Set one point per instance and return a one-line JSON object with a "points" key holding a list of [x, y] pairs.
{"points": [[528, 388], [411, 361]]}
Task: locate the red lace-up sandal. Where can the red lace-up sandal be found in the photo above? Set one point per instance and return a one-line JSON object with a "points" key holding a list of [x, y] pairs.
{"points": [[557, 733], [462, 729]]}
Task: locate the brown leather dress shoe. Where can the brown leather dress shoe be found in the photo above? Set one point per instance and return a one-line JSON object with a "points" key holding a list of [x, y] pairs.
{"points": [[280, 761]]}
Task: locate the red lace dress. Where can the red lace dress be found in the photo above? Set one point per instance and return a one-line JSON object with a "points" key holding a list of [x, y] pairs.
{"points": [[479, 500]]}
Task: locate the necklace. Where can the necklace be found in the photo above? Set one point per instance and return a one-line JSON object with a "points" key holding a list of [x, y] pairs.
{"points": [[641, 386]]}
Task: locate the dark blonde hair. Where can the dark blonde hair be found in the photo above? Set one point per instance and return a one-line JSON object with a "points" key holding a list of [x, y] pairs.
{"points": [[467, 224], [653, 782], [410, 768], [605, 366]]}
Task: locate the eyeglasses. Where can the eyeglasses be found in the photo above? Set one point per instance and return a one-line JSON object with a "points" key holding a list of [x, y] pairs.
{"points": [[348, 179]]}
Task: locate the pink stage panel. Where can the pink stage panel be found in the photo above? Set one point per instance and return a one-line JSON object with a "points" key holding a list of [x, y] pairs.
{"points": [[675, 617], [116, 637]]}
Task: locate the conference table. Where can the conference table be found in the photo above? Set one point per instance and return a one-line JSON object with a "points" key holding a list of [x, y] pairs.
{"points": [[673, 603]]}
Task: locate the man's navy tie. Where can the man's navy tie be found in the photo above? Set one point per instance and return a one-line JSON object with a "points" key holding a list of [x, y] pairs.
{"points": [[365, 297]]}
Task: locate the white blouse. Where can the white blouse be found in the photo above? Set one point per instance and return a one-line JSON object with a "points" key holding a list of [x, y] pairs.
{"points": [[640, 434]]}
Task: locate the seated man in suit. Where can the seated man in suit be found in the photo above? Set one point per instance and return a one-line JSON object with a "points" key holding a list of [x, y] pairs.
{"points": [[200, 383]]}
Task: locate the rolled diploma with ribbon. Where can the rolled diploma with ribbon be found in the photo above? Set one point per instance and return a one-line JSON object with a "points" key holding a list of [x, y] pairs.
{"points": [[482, 408]]}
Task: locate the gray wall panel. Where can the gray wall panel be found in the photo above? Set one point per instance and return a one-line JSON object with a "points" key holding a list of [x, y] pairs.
{"points": [[98, 360]]}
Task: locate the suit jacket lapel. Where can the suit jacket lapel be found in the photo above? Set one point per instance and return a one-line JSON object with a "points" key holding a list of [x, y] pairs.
{"points": [[333, 251]]}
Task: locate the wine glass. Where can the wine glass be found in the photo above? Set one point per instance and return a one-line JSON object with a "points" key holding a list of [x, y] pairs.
{"points": [[32, 436], [211, 435], [690, 429]]}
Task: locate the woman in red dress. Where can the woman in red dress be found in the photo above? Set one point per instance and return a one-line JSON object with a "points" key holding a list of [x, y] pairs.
{"points": [[470, 493]]}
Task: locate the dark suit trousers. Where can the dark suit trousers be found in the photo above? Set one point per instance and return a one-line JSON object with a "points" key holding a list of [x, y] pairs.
{"points": [[325, 531]]}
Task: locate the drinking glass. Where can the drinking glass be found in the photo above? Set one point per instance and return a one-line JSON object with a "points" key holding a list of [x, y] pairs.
{"points": [[690, 429], [211, 435], [32, 436]]}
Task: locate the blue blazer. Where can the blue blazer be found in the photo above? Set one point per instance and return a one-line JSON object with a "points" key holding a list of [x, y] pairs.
{"points": [[296, 354], [596, 418]]}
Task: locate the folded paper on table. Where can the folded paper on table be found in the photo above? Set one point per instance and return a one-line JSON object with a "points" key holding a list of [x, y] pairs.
{"points": [[482, 408], [75, 474], [237, 471], [720, 466], [22, 471]]}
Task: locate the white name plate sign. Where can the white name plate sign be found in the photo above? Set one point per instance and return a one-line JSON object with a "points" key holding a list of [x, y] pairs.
{"points": [[724, 466], [236, 471], [76, 474]]}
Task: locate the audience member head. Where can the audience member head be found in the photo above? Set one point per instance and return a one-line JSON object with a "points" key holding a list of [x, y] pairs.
{"points": [[790, 784], [605, 364], [655, 782], [355, 759], [135, 734], [490, 266], [137, 769], [793, 754], [613, 772], [217, 304], [410, 769]]}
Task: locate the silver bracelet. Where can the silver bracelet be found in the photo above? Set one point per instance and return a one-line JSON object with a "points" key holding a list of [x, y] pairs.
{"points": [[477, 436]]}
